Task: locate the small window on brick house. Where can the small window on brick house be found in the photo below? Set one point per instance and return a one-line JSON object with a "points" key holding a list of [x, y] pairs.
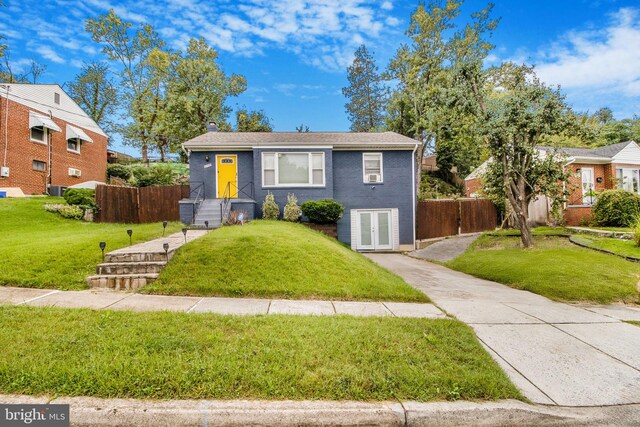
{"points": [[73, 144], [39, 166], [56, 98], [39, 134]]}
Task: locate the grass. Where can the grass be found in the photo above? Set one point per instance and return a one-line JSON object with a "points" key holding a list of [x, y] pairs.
{"points": [[554, 268], [617, 246], [616, 229], [538, 231], [164, 355], [281, 260], [39, 249]]}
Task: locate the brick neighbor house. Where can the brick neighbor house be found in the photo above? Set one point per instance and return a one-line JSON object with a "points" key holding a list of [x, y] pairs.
{"points": [[593, 170], [47, 141]]}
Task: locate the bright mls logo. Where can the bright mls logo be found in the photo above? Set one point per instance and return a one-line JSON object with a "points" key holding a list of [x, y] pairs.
{"points": [[34, 415]]}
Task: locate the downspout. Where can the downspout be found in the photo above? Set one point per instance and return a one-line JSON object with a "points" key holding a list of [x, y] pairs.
{"points": [[6, 125], [50, 141], [414, 184]]}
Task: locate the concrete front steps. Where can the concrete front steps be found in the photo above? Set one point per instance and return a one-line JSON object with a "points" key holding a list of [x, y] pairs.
{"points": [[133, 267], [209, 211]]}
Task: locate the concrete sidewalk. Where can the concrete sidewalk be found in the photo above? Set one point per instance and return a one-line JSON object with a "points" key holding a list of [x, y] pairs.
{"points": [[108, 300], [556, 354], [87, 411], [446, 249]]}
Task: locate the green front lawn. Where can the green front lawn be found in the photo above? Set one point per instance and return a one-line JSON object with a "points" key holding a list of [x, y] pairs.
{"points": [[622, 247], [554, 268], [40, 249], [166, 355], [537, 231], [276, 259]]}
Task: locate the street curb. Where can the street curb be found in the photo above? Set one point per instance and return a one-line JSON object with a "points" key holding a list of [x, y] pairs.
{"points": [[88, 411]]}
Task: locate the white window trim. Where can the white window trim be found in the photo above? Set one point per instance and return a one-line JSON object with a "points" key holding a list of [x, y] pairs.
{"points": [[364, 173], [620, 185], [78, 141], [45, 134], [288, 185], [39, 161]]}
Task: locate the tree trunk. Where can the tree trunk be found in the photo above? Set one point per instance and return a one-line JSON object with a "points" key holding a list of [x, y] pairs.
{"points": [[145, 156], [525, 230]]}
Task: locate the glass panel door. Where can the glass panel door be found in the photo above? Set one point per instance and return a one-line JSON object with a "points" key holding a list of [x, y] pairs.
{"points": [[383, 230], [588, 189], [366, 230]]}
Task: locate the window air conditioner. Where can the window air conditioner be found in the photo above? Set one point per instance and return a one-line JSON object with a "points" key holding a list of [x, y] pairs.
{"points": [[74, 172], [373, 177], [4, 172]]}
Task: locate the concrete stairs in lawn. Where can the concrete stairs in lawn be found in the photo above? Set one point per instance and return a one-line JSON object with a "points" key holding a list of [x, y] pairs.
{"points": [[133, 267], [209, 211]]}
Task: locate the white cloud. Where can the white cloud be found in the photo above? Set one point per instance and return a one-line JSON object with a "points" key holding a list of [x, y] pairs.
{"points": [[322, 33], [604, 60], [47, 52]]}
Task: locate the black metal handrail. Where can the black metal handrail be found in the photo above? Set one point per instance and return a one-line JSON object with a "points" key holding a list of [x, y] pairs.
{"points": [[199, 197], [225, 205]]}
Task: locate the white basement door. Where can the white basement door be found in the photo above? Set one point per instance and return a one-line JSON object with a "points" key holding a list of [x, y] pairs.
{"points": [[374, 229]]}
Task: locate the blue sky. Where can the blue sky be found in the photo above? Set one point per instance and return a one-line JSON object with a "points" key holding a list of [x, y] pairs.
{"points": [[294, 53]]}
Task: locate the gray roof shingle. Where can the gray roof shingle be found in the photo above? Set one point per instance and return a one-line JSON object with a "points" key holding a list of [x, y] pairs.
{"points": [[339, 139], [606, 152]]}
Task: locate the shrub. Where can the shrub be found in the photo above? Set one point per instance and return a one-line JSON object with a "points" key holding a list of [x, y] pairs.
{"points": [[292, 211], [119, 171], [238, 217], [71, 212], [270, 209], [616, 208], [636, 232], [82, 197], [55, 208], [325, 211], [149, 176]]}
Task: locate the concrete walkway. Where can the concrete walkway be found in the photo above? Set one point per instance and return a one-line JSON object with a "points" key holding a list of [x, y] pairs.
{"points": [[556, 354], [446, 249], [101, 300]]}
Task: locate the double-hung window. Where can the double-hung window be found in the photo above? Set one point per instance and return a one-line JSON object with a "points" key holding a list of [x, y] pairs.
{"points": [[39, 134], [372, 167], [628, 179], [73, 144], [293, 169]]}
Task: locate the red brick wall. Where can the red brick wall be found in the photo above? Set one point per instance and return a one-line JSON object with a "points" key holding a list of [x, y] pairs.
{"points": [[472, 186], [574, 184], [21, 152], [577, 215]]}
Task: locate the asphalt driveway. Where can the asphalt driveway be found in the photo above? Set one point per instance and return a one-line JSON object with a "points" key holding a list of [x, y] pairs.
{"points": [[557, 354]]}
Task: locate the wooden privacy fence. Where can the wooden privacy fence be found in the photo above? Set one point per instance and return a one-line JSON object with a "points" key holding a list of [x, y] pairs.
{"points": [[139, 205], [440, 218]]}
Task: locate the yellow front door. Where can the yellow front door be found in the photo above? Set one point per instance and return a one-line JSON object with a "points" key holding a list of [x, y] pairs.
{"points": [[227, 176]]}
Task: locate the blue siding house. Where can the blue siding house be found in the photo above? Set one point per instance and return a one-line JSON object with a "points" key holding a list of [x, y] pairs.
{"points": [[371, 174]]}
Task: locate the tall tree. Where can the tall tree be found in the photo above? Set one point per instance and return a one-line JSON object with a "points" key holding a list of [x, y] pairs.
{"points": [[432, 102], [130, 49], [302, 128], [197, 91], [523, 114], [95, 92], [252, 121], [366, 93]]}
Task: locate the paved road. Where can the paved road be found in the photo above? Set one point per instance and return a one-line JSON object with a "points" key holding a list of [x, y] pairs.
{"points": [[111, 300], [557, 354]]}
